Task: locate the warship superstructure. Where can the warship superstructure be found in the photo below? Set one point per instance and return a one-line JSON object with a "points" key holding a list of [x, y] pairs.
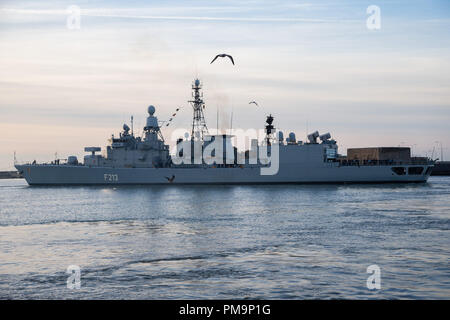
{"points": [[204, 158]]}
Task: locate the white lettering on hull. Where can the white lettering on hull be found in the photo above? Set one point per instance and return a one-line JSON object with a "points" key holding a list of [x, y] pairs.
{"points": [[111, 177]]}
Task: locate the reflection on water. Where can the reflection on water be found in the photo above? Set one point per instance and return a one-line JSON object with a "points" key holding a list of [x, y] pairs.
{"points": [[282, 241]]}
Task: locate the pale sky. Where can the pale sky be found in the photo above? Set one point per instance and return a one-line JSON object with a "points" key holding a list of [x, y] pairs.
{"points": [[313, 65]]}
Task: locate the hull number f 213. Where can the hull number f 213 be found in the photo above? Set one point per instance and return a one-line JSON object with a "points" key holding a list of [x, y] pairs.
{"points": [[111, 177]]}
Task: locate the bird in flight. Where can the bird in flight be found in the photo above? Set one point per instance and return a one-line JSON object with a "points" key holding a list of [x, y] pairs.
{"points": [[223, 55], [171, 178], [254, 103]]}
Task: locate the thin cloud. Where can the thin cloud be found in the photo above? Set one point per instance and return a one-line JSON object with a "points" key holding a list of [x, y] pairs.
{"points": [[111, 13]]}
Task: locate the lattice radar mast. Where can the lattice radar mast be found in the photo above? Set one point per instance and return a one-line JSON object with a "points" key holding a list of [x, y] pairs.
{"points": [[199, 128]]}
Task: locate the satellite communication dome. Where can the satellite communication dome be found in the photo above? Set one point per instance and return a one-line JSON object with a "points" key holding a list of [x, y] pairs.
{"points": [[197, 82], [151, 110], [292, 137]]}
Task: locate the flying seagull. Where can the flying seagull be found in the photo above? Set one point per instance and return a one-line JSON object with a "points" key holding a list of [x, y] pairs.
{"points": [[254, 103], [171, 178], [223, 55]]}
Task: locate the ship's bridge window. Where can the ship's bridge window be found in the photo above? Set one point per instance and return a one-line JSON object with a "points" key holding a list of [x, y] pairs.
{"points": [[428, 170], [399, 170], [415, 170]]}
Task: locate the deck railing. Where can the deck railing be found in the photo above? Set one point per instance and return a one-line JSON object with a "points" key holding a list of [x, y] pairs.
{"points": [[385, 162]]}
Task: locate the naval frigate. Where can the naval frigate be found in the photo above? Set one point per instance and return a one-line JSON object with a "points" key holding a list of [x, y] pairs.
{"points": [[204, 158]]}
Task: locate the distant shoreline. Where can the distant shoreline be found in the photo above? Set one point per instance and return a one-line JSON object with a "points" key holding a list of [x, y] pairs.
{"points": [[10, 175]]}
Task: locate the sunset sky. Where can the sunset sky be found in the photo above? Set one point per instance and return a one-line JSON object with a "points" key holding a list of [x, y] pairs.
{"points": [[313, 65]]}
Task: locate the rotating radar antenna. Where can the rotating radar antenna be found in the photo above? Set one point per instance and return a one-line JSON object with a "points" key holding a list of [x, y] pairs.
{"points": [[199, 128]]}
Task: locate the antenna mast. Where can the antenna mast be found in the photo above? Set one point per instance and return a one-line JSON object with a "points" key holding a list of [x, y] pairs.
{"points": [[198, 120], [231, 121], [270, 130]]}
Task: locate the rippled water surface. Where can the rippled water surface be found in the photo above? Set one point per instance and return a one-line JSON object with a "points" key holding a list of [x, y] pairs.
{"points": [[269, 242]]}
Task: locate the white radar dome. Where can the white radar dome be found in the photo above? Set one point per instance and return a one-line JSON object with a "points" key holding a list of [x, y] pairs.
{"points": [[151, 110]]}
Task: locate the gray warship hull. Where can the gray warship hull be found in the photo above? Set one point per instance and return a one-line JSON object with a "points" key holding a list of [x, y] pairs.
{"points": [[83, 175], [211, 159]]}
